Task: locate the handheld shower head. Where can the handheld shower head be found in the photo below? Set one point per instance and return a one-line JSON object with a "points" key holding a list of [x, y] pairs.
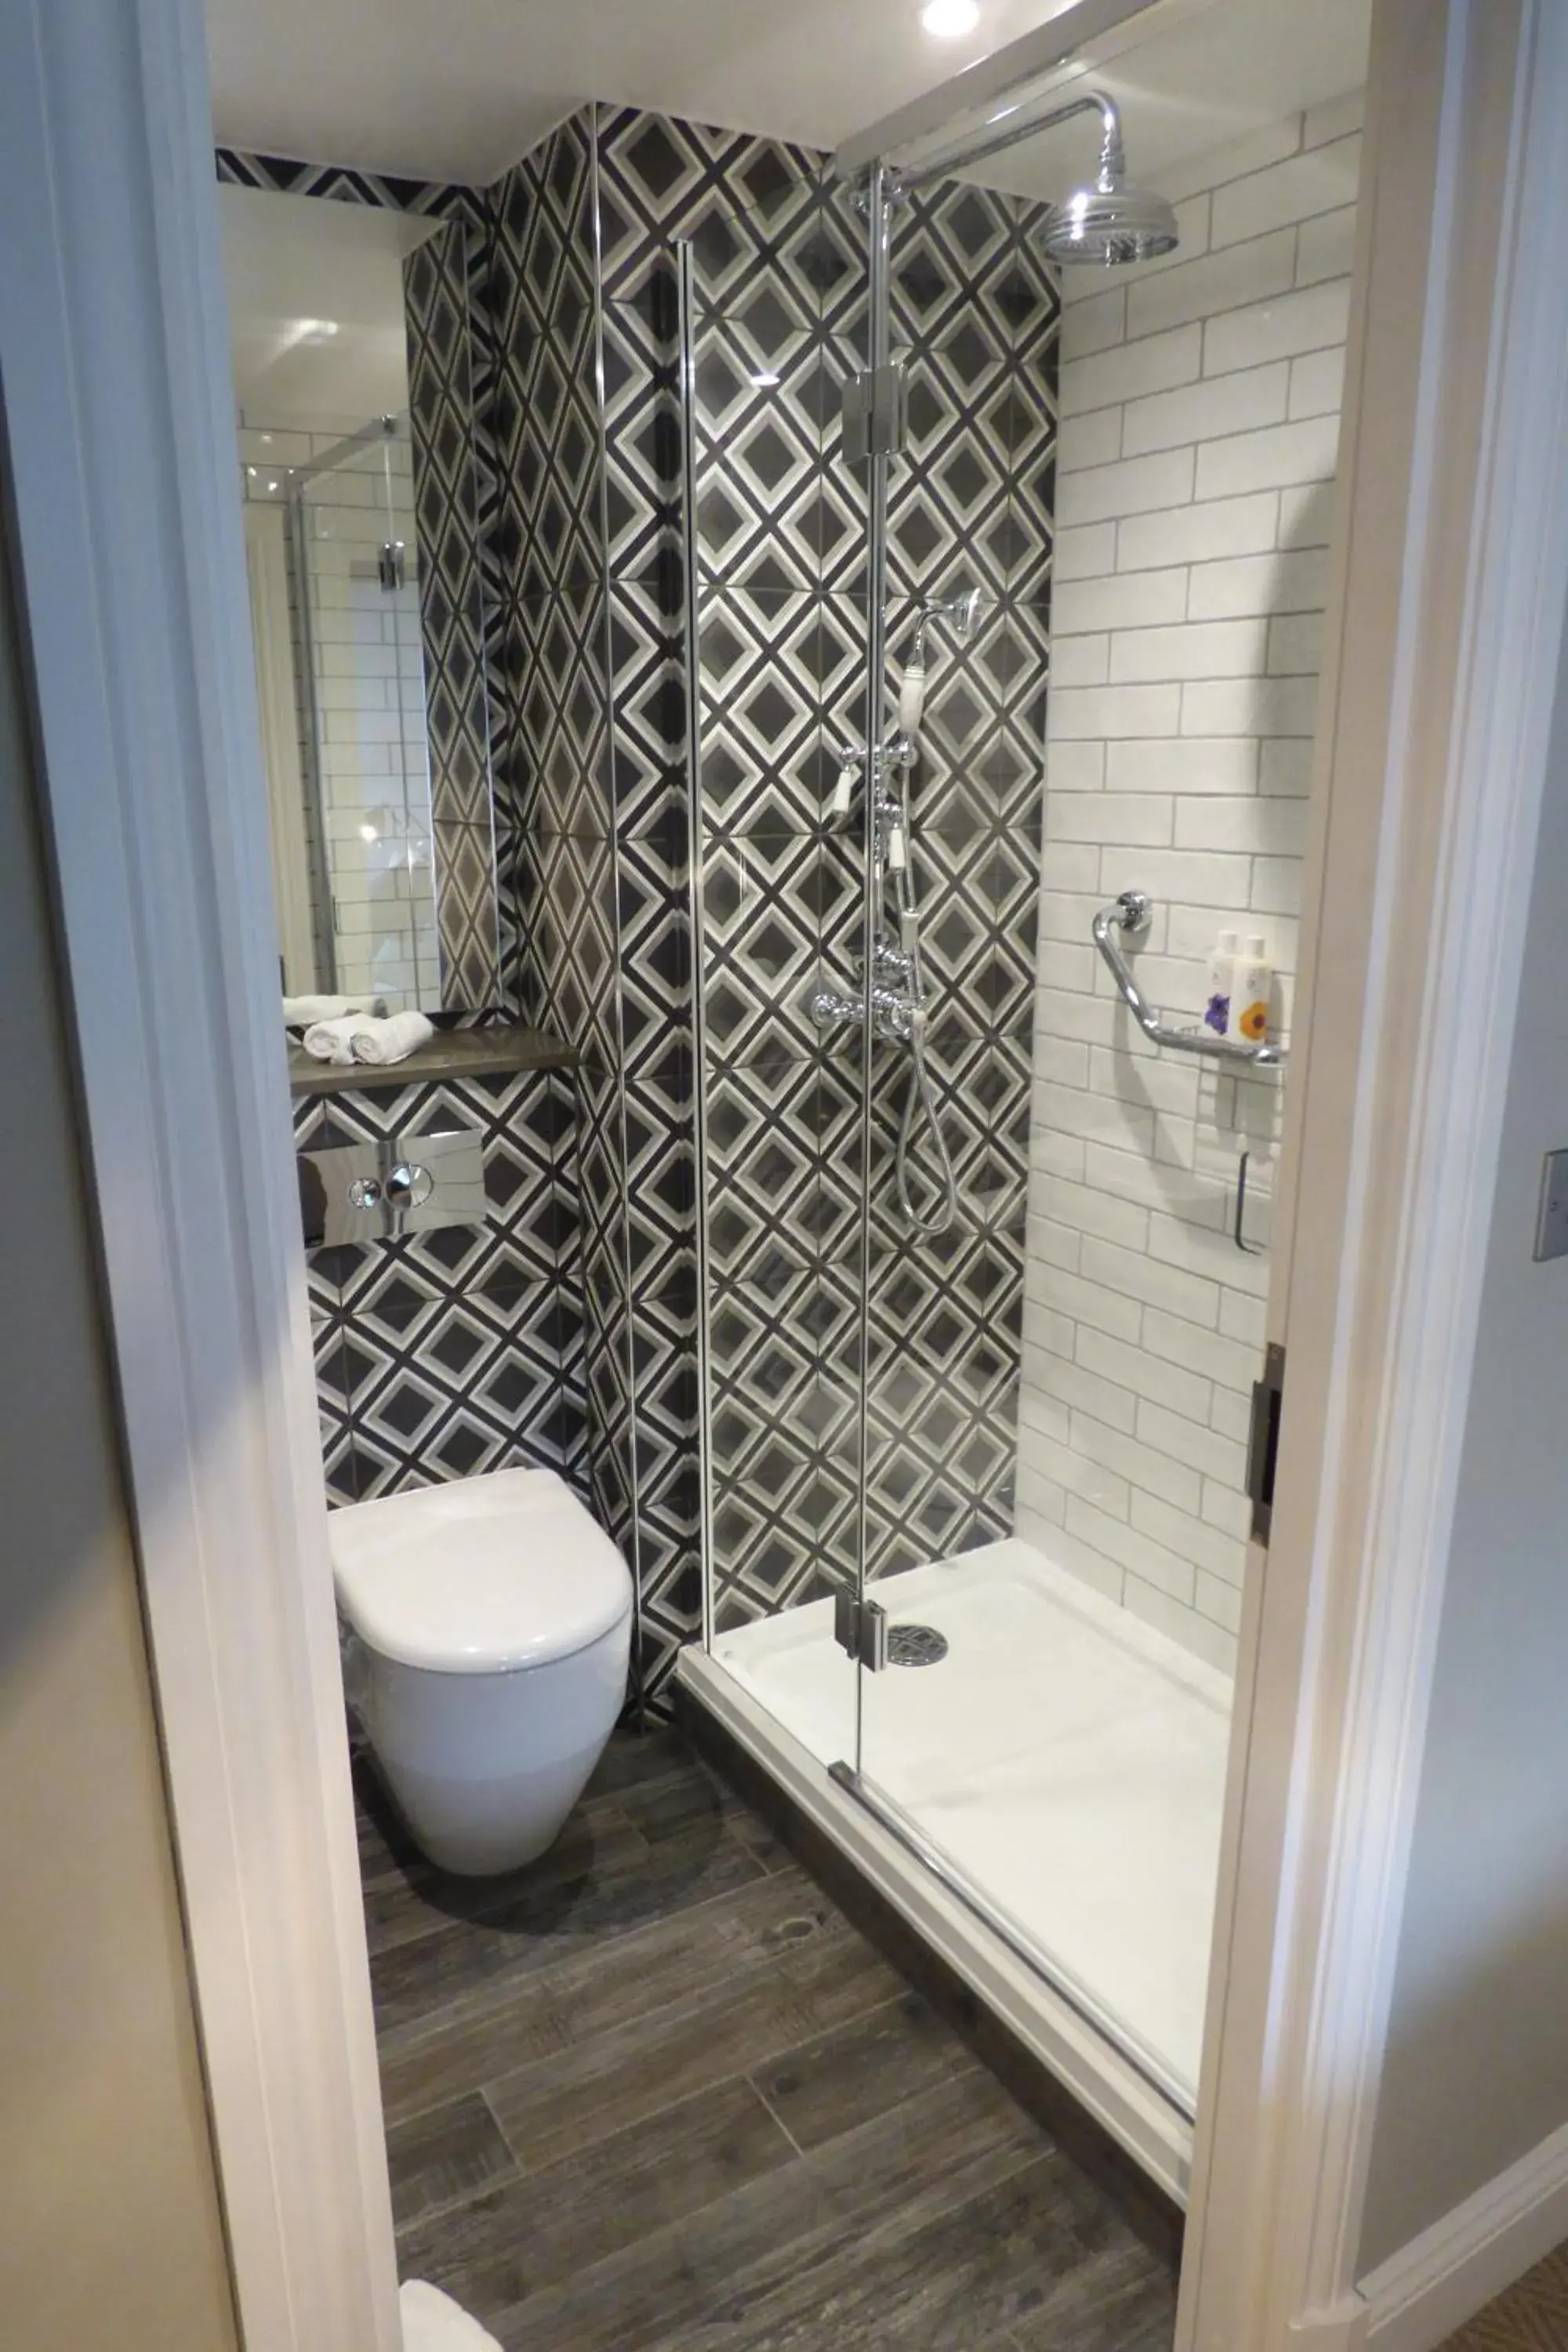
{"points": [[961, 614], [1111, 222]]}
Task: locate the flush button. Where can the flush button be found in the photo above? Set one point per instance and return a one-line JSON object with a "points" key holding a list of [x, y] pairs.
{"points": [[1552, 1220], [364, 1192], [408, 1186]]}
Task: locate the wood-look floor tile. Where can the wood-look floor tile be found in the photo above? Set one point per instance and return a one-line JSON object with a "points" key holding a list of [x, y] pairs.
{"points": [[560, 2104], [858, 2070], [841, 1976], [455, 2045], [597, 1846], [941, 2283], [678, 2284], [684, 1790], [411, 1982], [385, 1845], [759, 1839], [1122, 2299], [635, 1759], [652, 2005], [436, 2159], [499, 2249], [681, 1799]]}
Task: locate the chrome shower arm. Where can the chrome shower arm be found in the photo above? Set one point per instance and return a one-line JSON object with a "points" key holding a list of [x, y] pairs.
{"points": [[1083, 29], [993, 141]]}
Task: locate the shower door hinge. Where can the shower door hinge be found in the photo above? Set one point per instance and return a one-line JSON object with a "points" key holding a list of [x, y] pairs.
{"points": [[1263, 1441], [861, 1628], [876, 413]]}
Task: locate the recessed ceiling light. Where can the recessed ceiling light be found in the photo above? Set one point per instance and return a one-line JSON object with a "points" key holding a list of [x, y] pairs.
{"points": [[948, 20]]}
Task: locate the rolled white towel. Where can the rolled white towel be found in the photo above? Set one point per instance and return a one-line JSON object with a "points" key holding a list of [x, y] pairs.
{"points": [[332, 1041], [389, 1041], [304, 1012], [432, 2322]]}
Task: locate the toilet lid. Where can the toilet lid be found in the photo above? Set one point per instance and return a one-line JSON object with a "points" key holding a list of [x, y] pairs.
{"points": [[478, 1576]]}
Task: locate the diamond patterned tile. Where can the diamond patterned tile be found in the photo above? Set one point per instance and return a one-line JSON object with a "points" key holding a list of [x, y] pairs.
{"points": [[439, 1356]]}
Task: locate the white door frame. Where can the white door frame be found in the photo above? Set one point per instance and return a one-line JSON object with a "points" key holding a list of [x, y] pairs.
{"points": [[1445, 612], [113, 375], [120, 418]]}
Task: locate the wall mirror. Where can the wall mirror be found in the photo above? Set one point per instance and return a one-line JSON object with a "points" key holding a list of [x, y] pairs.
{"points": [[353, 382]]}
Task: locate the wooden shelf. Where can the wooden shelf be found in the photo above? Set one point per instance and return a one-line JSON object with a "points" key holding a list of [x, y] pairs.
{"points": [[450, 1053]]}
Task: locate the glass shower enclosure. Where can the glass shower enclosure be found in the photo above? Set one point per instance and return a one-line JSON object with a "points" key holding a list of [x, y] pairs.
{"points": [[871, 401]]}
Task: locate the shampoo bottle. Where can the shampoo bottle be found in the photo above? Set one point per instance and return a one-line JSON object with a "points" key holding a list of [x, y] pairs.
{"points": [[1222, 983], [1250, 993]]}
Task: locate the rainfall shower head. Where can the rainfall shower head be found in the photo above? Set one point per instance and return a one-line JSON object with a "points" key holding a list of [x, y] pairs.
{"points": [[1111, 221]]}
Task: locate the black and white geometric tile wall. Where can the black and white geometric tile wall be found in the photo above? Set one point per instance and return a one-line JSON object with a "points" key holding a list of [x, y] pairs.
{"points": [[598, 825], [782, 538], [458, 1350]]}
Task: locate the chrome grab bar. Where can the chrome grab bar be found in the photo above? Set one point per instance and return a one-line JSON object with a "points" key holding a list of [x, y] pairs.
{"points": [[1130, 914]]}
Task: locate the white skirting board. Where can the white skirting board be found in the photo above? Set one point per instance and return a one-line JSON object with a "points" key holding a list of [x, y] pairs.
{"points": [[1442, 2278]]}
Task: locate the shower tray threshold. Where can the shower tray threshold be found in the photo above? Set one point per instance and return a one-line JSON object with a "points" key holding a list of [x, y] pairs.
{"points": [[1017, 2007]]}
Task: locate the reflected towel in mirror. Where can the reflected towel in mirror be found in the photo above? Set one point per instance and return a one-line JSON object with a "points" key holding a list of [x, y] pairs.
{"points": [[389, 1041], [304, 1012]]}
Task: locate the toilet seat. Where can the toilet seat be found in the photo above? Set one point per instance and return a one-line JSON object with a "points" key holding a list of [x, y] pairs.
{"points": [[481, 1576]]}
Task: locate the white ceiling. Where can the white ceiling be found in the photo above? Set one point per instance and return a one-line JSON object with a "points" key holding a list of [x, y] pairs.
{"points": [[315, 300], [458, 89], [1201, 74]]}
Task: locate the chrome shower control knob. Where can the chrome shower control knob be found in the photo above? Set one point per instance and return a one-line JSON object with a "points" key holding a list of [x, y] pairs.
{"points": [[364, 1192], [407, 1186]]}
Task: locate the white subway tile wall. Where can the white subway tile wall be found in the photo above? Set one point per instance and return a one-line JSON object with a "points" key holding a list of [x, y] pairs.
{"points": [[367, 659], [1199, 424]]}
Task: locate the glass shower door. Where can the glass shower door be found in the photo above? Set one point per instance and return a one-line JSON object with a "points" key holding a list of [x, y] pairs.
{"points": [[773, 320], [1032, 1757], [869, 449]]}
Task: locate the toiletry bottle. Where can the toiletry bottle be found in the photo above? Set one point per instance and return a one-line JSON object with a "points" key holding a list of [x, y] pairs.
{"points": [[1222, 983], [1250, 992]]}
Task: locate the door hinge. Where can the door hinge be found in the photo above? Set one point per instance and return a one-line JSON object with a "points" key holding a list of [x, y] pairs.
{"points": [[876, 413], [861, 1628], [1263, 1441]]}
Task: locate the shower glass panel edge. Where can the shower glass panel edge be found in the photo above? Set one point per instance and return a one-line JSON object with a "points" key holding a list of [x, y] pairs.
{"points": [[771, 306], [897, 231]]}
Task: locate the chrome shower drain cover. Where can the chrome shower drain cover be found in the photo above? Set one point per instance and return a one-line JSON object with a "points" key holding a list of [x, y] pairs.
{"points": [[915, 1645]]}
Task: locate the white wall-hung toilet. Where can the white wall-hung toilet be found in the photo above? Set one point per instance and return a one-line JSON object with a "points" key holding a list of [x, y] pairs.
{"points": [[488, 1629]]}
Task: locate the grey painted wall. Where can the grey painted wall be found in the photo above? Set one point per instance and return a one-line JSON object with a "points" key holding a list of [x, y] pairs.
{"points": [[1477, 2068]]}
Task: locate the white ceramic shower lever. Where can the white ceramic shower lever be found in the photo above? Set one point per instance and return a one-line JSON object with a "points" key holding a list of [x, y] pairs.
{"points": [[843, 792]]}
